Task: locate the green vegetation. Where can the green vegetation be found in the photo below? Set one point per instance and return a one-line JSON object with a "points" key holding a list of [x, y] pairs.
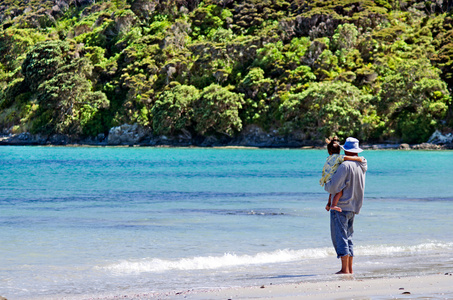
{"points": [[379, 70]]}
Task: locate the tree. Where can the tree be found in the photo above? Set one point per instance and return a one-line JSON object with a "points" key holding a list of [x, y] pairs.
{"points": [[325, 109], [68, 104], [217, 111], [60, 81], [173, 109], [43, 61], [345, 37], [257, 91], [413, 100]]}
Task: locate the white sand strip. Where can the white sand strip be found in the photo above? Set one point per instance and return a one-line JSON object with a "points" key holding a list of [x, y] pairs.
{"points": [[346, 287]]}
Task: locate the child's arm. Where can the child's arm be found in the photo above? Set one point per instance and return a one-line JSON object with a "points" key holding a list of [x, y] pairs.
{"points": [[353, 158]]}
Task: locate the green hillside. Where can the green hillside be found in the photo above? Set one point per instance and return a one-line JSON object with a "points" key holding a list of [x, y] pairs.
{"points": [[379, 70]]}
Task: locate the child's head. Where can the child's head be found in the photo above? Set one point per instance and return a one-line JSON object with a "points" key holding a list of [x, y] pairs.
{"points": [[333, 145]]}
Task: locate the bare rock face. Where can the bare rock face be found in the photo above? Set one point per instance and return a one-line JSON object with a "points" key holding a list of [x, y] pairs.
{"points": [[84, 2], [58, 139], [427, 146], [24, 139], [440, 139], [404, 147], [143, 8], [254, 135], [126, 134]]}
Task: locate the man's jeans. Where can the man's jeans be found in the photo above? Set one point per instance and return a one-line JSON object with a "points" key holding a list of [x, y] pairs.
{"points": [[341, 230]]}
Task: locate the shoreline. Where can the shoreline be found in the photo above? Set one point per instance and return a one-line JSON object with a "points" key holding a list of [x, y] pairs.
{"points": [[438, 286], [133, 136], [403, 147], [364, 147]]}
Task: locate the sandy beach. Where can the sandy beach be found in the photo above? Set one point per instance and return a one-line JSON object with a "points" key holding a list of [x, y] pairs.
{"points": [[345, 287]]}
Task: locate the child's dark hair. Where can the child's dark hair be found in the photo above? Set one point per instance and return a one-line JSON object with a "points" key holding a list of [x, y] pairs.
{"points": [[333, 145]]}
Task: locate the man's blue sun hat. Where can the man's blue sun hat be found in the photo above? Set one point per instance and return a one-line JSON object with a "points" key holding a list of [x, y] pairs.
{"points": [[351, 145]]}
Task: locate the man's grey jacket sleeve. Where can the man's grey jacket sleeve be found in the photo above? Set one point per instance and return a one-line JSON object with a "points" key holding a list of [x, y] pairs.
{"points": [[337, 182]]}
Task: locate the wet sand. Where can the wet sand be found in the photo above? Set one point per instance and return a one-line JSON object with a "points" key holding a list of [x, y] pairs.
{"points": [[344, 287]]}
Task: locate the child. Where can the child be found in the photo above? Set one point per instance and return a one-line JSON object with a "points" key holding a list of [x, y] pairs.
{"points": [[332, 163]]}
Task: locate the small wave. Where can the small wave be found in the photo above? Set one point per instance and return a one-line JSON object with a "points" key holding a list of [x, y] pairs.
{"points": [[216, 262], [280, 256], [388, 250]]}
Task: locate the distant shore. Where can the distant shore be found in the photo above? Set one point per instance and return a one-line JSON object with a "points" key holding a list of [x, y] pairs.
{"points": [[251, 137], [59, 140]]}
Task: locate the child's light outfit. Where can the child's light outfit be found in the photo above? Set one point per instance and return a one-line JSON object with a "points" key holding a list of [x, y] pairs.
{"points": [[332, 163]]}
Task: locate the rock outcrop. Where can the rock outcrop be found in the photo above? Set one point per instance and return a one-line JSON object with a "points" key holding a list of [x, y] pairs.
{"points": [[126, 135], [255, 136], [441, 139], [427, 146], [23, 139]]}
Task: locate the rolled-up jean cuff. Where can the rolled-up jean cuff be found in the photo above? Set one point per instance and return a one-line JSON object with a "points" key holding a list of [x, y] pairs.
{"points": [[338, 256], [341, 229]]}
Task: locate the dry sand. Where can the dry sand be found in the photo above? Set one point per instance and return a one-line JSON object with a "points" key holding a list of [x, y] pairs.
{"points": [[345, 287]]}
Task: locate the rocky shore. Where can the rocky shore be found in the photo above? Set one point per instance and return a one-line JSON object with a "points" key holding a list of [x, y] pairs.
{"points": [[251, 136]]}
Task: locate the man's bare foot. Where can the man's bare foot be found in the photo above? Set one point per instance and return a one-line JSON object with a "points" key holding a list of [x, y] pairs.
{"points": [[343, 273], [346, 265], [336, 208]]}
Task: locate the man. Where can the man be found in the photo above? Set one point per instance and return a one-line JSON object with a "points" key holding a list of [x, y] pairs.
{"points": [[349, 178]]}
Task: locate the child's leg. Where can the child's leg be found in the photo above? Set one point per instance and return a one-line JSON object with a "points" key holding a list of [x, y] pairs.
{"points": [[328, 204], [335, 200]]}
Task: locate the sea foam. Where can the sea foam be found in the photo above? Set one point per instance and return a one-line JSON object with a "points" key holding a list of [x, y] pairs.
{"points": [[217, 262], [229, 260], [413, 249]]}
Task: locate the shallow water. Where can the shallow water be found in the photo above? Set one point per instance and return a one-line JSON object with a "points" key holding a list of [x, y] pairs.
{"points": [[92, 221]]}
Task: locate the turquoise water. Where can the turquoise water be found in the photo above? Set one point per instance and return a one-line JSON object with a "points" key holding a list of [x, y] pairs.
{"points": [[111, 221]]}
